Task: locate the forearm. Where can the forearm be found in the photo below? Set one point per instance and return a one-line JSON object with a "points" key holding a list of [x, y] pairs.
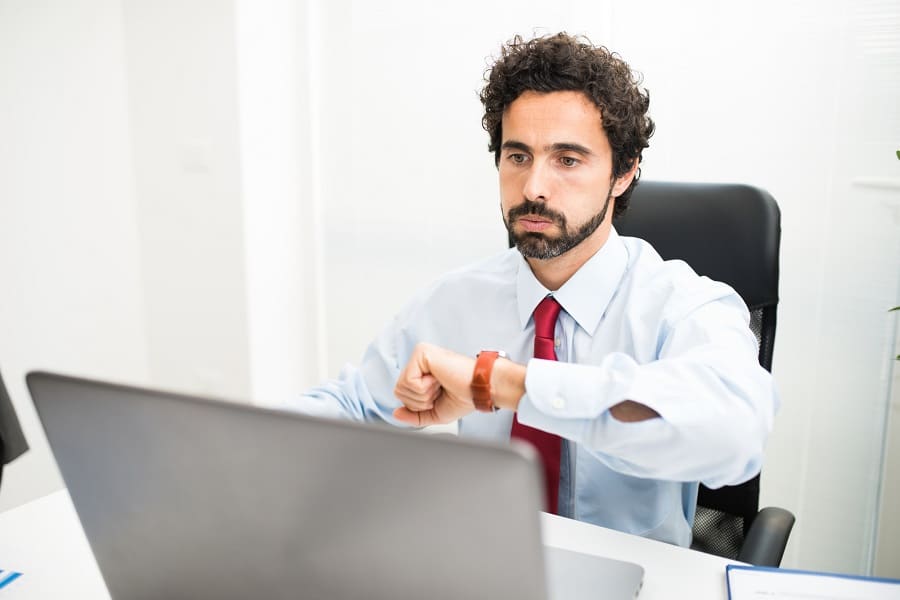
{"points": [[701, 415], [362, 393], [508, 388], [334, 399], [713, 418]]}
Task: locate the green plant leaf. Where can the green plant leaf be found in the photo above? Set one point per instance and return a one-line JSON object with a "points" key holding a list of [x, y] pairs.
{"points": [[893, 309], [898, 153]]}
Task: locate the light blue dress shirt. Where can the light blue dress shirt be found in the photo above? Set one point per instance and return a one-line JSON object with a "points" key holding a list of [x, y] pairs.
{"points": [[633, 327]]}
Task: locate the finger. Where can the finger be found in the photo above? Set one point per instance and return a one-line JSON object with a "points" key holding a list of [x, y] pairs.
{"points": [[430, 386], [416, 419], [430, 394], [420, 394], [415, 403], [416, 399], [424, 385]]}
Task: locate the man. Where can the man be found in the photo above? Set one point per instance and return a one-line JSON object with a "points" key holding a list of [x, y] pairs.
{"points": [[635, 378]]}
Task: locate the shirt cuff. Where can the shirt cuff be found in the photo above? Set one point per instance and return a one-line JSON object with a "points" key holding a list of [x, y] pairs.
{"points": [[567, 391]]}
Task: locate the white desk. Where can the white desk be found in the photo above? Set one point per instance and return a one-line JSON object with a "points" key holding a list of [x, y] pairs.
{"points": [[44, 541], [670, 572]]}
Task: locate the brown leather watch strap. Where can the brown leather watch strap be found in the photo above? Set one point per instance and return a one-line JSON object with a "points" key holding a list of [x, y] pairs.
{"points": [[481, 380]]}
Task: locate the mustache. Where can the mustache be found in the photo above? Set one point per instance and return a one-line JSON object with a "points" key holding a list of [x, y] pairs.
{"points": [[538, 209]]}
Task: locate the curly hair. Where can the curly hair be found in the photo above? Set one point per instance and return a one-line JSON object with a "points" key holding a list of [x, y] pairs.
{"points": [[562, 62]]}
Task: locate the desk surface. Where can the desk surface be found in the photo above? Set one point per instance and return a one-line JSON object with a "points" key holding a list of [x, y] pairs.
{"points": [[43, 540], [670, 572]]}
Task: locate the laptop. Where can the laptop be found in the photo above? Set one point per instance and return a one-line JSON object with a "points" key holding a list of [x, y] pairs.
{"points": [[186, 497]]}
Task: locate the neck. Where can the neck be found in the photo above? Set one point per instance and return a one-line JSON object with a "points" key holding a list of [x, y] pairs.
{"points": [[554, 272]]}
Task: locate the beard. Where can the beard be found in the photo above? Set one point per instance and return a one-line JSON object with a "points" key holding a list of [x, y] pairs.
{"points": [[533, 244]]}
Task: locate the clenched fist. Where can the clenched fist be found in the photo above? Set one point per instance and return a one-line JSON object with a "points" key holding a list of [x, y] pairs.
{"points": [[434, 387]]}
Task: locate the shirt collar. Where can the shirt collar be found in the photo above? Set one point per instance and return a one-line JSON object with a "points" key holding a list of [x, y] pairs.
{"points": [[586, 294]]}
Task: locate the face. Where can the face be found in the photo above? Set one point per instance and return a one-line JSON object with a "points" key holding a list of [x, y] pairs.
{"points": [[556, 180]]}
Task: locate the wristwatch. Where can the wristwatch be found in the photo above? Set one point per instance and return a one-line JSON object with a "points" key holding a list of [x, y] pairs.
{"points": [[481, 379]]}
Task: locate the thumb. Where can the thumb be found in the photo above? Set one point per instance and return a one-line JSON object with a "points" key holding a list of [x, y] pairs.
{"points": [[416, 419]]}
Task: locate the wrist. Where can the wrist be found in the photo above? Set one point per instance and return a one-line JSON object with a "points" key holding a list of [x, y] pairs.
{"points": [[507, 383]]}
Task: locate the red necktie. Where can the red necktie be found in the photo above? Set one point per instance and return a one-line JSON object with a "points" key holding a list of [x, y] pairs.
{"points": [[547, 444]]}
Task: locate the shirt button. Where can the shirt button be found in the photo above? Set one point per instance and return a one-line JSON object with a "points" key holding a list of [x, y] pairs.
{"points": [[557, 343], [558, 403]]}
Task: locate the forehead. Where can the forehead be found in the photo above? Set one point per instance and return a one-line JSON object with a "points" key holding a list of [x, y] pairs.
{"points": [[553, 117]]}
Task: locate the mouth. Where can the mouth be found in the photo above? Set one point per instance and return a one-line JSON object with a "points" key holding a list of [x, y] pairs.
{"points": [[533, 223]]}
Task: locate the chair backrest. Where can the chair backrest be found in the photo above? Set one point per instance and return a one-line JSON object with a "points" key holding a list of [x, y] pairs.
{"points": [[730, 233]]}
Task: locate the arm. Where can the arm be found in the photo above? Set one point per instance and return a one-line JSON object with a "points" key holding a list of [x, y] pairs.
{"points": [[714, 403], [428, 402], [362, 393]]}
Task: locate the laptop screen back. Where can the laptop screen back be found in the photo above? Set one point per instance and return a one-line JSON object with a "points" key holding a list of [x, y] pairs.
{"points": [[182, 497]]}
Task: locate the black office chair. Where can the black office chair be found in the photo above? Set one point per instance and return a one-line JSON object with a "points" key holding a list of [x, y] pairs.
{"points": [[730, 233]]}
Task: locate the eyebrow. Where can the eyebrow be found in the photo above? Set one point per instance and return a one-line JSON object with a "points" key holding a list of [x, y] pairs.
{"points": [[557, 147]]}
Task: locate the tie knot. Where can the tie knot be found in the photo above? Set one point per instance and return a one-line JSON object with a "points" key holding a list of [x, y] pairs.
{"points": [[545, 316]]}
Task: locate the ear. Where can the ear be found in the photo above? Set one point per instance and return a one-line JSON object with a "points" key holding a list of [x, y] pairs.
{"points": [[625, 180]]}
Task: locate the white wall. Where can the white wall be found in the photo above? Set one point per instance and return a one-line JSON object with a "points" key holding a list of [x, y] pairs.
{"points": [[287, 155], [69, 252], [183, 108], [281, 201], [124, 254], [887, 555]]}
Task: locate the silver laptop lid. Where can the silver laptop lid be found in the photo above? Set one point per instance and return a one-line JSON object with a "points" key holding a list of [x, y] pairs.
{"points": [[183, 497], [577, 576]]}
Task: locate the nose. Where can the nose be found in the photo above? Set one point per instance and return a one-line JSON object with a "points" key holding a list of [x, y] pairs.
{"points": [[537, 184]]}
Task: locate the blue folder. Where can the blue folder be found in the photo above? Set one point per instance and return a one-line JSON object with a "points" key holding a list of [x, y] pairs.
{"points": [[752, 583]]}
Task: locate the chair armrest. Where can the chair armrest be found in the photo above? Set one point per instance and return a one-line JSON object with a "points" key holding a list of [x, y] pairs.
{"points": [[767, 538]]}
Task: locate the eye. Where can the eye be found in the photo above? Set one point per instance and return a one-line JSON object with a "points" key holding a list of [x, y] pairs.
{"points": [[518, 158], [568, 161]]}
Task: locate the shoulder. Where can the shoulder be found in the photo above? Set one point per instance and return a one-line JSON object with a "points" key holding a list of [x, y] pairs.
{"points": [[485, 280], [499, 269], [670, 288]]}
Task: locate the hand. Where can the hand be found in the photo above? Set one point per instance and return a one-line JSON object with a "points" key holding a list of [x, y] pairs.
{"points": [[435, 387]]}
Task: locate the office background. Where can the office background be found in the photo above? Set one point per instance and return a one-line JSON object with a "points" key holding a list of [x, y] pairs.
{"points": [[231, 198]]}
